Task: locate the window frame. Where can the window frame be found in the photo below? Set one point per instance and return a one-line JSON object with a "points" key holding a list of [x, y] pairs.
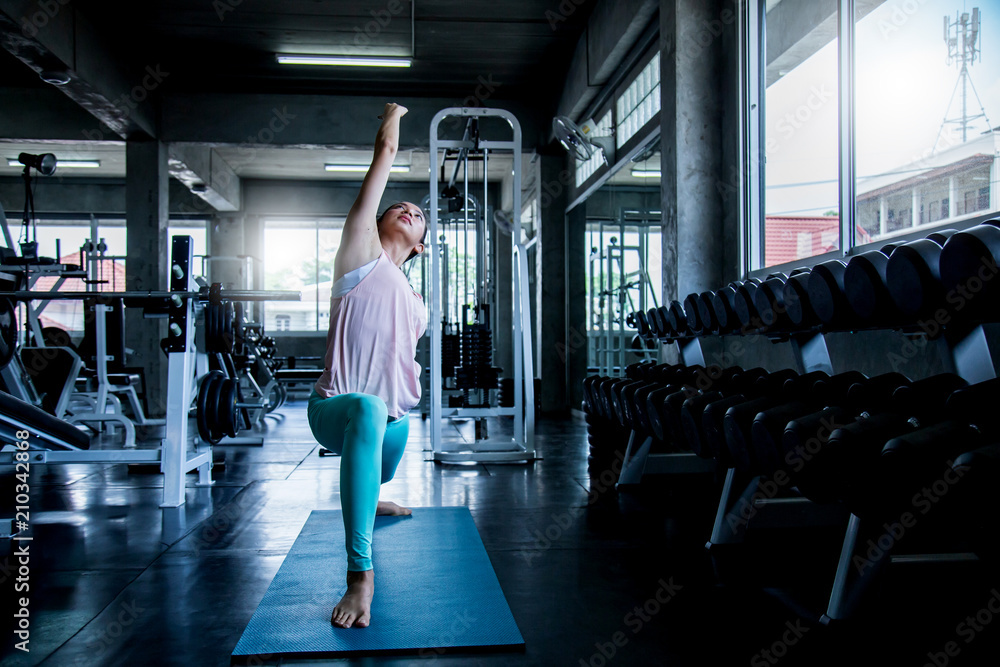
{"points": [[751, 89]]}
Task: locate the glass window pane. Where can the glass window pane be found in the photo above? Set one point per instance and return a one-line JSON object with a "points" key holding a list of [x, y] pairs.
{"points": [[290, 263], [925, 155], [800, 132]]}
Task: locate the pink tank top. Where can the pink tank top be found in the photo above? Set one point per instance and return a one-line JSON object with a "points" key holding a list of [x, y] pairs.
{"points": [[372, 340]]}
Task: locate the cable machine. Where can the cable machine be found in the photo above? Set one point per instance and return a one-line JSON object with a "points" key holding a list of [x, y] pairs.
{"points": [[463, 298], [615, 291]]}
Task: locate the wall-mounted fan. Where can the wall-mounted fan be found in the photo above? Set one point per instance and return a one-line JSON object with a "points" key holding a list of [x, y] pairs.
{"points": [[503, 221], [582, 140]]}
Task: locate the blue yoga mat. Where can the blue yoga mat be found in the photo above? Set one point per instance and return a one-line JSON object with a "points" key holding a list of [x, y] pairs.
{"points": [[435, 590]]}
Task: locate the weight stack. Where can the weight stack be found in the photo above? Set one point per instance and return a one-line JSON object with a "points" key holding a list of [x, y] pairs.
{"points": [[451, 354], [477, 370]]}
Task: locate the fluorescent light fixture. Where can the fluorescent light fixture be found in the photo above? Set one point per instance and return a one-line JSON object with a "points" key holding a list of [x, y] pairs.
{"points": [[362, 168], [646, 173], [66, 164], [343, 61]]}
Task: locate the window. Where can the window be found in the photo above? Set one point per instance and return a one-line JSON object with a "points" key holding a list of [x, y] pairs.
{"points": [[916, 138], [922, 152], [640, 101], [63, 238], [800, 134], [299, 255]]}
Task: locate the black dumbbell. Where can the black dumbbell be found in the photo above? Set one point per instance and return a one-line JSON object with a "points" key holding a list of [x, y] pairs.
{"points": [[713, 415], [656, 414], [827, 295], [706, 313], [692, 314], [801, 434], [739, 419], [722, 305], [769, 425], [656, 379], [677, 319], [769, 300], [795, 297], [734, 382], [848, 465], [913, 275], [968, 266], [744, 305], [865, 284]]}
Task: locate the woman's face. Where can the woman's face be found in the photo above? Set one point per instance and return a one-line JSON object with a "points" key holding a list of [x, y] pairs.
{"points": [[408, 219]]}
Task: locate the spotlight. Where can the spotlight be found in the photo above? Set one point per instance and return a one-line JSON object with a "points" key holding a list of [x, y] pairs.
{"points": [[44, 163]]}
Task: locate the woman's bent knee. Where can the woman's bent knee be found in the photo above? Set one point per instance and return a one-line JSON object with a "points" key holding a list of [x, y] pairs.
{"points": [[371, 409]]}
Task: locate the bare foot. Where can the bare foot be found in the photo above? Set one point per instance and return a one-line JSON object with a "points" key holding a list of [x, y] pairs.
{"points": [[356, 606], [387, 508]]}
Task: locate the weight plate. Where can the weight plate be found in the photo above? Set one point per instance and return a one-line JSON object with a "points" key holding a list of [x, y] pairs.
{"points": [[229, 316], [212, 403], [227, 409], [202, 407], [8, 332]]}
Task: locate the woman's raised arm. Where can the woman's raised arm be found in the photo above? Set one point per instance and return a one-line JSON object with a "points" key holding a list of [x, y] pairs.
{"points": [[360, 241]]}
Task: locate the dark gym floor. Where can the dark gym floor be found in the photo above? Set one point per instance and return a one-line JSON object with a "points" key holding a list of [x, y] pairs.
{"points": [[115, 580]]}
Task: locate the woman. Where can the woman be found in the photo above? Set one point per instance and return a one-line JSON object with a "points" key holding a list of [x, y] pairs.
{"points": [[359, 404]]}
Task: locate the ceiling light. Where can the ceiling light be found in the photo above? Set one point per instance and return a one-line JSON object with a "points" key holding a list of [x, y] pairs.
{"points": [[55, 77], [344, 61], [362, 168], [646, 173], [64, 164]]}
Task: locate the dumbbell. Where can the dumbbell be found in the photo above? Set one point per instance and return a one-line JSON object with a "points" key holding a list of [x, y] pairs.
{"points": [[860, 397], [722, 306], [677, 319], [968, 266], [827, 295], [739, 419], [744, 306], [732, 383], [635, 389], [670, 416], [866, 287], [659, 324], [795, 297], [706, 313], [913, 275], [691, 313], [655, 414], [805, 439], [847, 466], [769, 300], [768, 428], [714, 413], [916, 459]]}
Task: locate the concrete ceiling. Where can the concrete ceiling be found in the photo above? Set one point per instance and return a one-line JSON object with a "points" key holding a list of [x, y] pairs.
{"points": [[230, 45]]}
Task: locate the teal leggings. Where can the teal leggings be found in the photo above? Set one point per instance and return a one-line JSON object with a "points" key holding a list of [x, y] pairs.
{"points": [[355, 426]]}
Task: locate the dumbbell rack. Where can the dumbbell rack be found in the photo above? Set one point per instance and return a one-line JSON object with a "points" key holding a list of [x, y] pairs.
{"points": [[966, 346]]}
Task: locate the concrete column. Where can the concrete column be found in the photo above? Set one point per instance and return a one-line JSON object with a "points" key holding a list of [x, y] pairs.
{"points": [[147, 260], [226, 243], [576, 304], [555, 347], [883, 215], [692, 38], [915, 208]]}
